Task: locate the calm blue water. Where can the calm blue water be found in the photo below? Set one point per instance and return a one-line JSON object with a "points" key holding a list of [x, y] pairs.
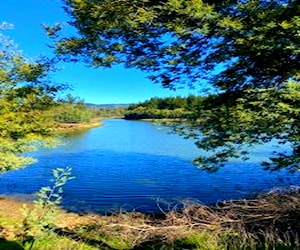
{"points": [[135, 165]]}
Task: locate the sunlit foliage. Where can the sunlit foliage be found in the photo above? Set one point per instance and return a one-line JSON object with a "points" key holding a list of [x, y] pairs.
{"points": [[240, 49], [26, 96], [71, 110]]}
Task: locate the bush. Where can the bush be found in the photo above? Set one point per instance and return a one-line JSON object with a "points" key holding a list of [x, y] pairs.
{"points": [[67, 113]]}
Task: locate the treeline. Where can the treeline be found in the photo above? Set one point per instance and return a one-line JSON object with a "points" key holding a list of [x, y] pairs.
{"points": [[74, 110], [71, 110], [115, 112], [164, 108]]}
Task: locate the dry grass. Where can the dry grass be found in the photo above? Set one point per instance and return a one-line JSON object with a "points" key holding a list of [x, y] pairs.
{"points": [[271, 217], [64, 128], [269, 220], [10, 208]]}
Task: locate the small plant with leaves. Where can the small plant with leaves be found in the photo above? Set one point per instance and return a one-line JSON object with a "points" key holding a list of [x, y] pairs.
{"points": [[39, 220]]}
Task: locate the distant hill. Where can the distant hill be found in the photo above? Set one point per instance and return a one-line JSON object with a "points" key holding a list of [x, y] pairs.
{"points": [[107, 106]]}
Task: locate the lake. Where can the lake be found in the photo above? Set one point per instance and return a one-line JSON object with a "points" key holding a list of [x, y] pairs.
{"points": [[138, 166]]}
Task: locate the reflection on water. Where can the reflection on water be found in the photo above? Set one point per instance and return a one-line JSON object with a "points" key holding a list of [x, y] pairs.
{"points": [[133, 165]]}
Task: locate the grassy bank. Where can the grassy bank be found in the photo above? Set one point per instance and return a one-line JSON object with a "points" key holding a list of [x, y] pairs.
{"points": [[64, 128], [270, 221]]}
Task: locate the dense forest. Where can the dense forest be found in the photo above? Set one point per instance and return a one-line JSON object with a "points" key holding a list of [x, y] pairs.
{"points": [[107, 111], [71, 110], [164, 108]]}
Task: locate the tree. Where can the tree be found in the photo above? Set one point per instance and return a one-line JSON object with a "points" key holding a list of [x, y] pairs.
{"points": [[229, 125], [70, 109], [26, 97], [241, 48], [163, 108]]}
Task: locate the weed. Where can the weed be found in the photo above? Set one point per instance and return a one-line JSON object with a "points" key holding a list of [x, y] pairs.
{"points": [[39, 220]]}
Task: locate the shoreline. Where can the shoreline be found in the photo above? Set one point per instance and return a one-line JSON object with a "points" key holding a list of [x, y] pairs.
{"points": [[6, 200], [265, 212], [229, 223], [66, 128]]}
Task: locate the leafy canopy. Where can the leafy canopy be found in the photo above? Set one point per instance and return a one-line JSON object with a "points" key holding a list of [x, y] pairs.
{"points": [[229, 124], [247, 50], [26, 96], [183, 41], [71, 110]]}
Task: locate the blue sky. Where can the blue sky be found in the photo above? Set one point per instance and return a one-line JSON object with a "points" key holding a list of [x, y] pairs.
{"points": [[99, 86]]}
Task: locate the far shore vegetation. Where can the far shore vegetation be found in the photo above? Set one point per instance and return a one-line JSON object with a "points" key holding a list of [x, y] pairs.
{"points": [[164, 108], [72, 115]]}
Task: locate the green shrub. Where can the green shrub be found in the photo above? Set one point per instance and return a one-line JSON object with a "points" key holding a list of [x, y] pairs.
{"points": [[67, 113], [39, 220]]}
